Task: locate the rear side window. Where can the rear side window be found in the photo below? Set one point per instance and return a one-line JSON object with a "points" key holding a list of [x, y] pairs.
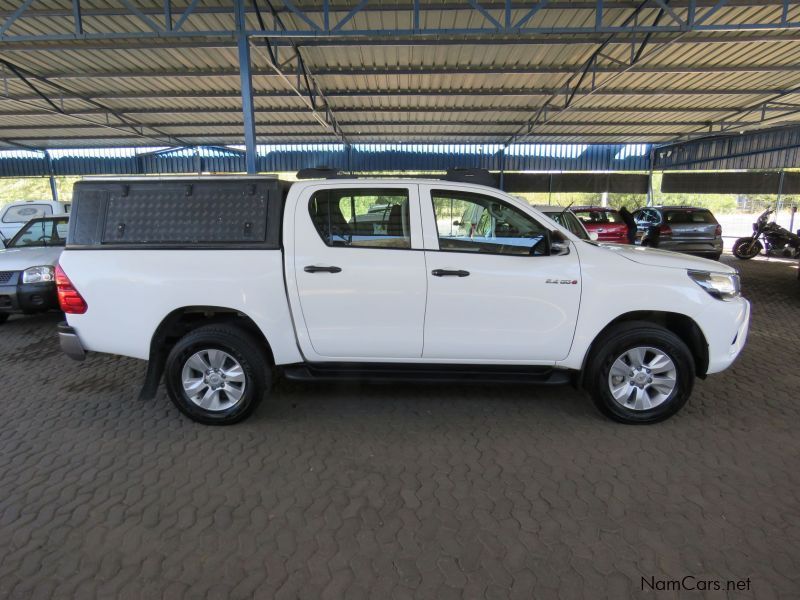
{"points": [[599, 217], [678, 217], [26, 212], [362, 217]]}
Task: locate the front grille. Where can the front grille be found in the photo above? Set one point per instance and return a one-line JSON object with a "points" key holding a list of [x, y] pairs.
{"points": [[5, 276]]}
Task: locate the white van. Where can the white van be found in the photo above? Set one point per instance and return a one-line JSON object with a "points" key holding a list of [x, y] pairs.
{"points": [[13, 216]]}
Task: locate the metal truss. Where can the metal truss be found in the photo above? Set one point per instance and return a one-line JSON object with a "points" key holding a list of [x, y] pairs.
{"points": [[175, 19]]}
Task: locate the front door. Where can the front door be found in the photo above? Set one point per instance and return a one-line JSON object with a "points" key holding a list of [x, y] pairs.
{"points": [[494, 292], [360, 273]]}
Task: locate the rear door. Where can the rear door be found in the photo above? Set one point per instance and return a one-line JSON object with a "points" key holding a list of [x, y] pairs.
{"points": [[359, 272], [494, 296]]}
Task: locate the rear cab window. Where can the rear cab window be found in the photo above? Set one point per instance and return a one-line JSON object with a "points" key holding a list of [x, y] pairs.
{"points": [[362, 217]]}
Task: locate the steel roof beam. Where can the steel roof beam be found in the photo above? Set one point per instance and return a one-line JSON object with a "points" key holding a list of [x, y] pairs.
{"points": [[391, 123], [122, 123], [316, 22], [389, 93], [408, 70], [498, 135], [390, 110], [741, 119], [384, 7], [154, 42]]}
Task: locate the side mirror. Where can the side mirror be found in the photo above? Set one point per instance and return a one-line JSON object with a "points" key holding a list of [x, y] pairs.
{"points": [[593, 236], [559, 245]]}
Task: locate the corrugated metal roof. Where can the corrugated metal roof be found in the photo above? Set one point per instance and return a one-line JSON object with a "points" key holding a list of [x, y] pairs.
{"points": [[438, 89]]}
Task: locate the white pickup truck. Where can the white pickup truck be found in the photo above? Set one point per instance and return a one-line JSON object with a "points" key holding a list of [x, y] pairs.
{"points": [[222, 284]]}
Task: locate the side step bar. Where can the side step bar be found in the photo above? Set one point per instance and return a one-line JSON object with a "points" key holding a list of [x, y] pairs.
{"points": [[426, 373]]}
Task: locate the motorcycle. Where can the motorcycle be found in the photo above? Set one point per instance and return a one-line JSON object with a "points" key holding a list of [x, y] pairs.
{"points": [[778, 241]]}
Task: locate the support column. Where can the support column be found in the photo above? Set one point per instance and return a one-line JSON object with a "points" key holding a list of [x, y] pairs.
{"points": [[502, 169], [53, 183], [247, 89], [652, 157]]}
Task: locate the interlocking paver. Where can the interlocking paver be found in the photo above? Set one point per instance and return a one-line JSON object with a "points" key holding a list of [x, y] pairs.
{"points": [[398, 491]]}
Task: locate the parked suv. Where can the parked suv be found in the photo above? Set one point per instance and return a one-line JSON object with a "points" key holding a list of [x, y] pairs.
{"points": [[227, 282], [27, 267], [681, 229], [604, 221]]}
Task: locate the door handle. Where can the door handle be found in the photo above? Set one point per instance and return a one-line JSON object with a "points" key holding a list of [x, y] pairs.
{"points": [[447, 273], [314, 269]]}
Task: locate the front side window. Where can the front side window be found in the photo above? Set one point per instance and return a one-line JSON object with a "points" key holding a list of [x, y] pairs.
{"points": [[25, 212], [41, 233], [468, 222], [362, 217]]}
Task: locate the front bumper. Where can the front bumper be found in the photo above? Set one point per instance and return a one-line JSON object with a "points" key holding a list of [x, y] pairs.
{"points": [[18, 297], [70, 342], [704, 249], [723, 348]]}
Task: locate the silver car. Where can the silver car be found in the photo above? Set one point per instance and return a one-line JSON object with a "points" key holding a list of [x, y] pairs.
{"points": [[687, 229], [27, 267]]}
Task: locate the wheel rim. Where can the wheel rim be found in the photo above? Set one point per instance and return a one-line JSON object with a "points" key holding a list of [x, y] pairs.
{"points": [[213, 380], [642, 378]]}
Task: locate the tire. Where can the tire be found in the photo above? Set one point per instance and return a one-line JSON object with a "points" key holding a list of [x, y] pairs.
{"points": [[743, 249], [655, 402], [3, 317], [230, 394]]}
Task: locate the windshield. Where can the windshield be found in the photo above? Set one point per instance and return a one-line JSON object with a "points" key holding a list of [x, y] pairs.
{"points": [[41, 233], [569, 221]]}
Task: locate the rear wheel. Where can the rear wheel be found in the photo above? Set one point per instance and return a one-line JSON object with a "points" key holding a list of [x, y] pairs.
{"points": [[217, 374], [641, 373], [746, 248]]}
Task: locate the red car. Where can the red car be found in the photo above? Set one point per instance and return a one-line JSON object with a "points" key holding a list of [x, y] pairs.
{"points": [[604, 221]]}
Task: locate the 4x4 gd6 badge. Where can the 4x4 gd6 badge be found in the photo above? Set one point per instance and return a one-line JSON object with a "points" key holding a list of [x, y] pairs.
{"points": [[563, 281]]}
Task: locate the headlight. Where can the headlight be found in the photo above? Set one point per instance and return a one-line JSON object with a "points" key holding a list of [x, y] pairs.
{"points": [[38, 275], [722, 286]]}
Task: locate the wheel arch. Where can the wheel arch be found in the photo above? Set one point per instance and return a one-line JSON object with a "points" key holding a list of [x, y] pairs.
{"points": [[181, 321], [681, 325]]}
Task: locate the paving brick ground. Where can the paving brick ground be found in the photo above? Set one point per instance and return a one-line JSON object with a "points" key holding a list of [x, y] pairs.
{"points": [[398, 492]]}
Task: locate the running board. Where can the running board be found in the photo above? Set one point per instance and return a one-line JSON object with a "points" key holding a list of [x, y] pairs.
{"points": [[426, 373]]}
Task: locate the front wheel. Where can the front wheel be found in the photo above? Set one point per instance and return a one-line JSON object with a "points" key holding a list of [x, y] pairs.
{"points": [[746, 248], [217, 374], [641, 373]]}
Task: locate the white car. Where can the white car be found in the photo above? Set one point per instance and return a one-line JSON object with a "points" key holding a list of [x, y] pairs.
{"points": [[13, 216], [27, 267], [212, 279]]}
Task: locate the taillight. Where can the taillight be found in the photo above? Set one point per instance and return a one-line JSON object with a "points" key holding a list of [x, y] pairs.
{"points": [[70, 300], [665, 230], [718, 231]]}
